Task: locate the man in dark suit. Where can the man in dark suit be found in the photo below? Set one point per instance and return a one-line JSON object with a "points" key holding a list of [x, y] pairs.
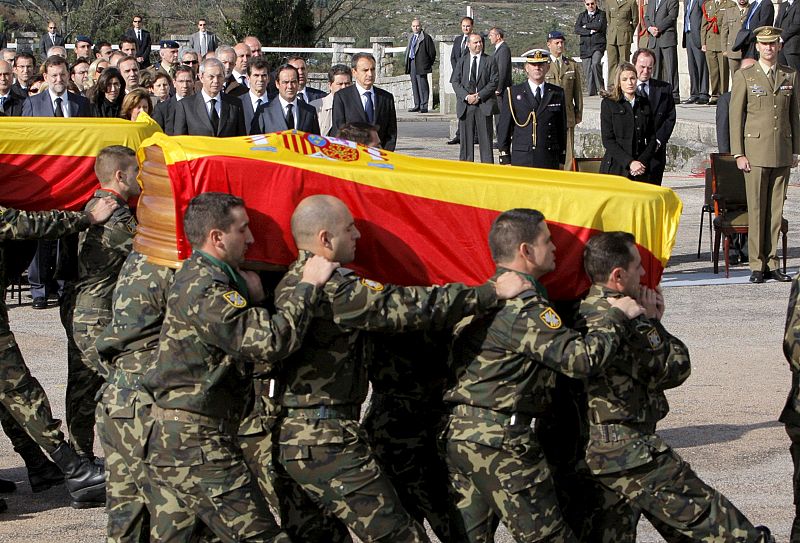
{"points": [[164, 114], [474, 81], [760, 13], [660, 17], [662, 106], [420, 56], [24, 70], [227, 56], [789, 22], [540, 140], [306, 94], [50, 39], [287, 111], [591, 26], [460, 48], [143, 41], [203, 41], [210, 112], [363, 102], [256, 100], [502, 58], [693, 43], [56, 101], [10, 100]]}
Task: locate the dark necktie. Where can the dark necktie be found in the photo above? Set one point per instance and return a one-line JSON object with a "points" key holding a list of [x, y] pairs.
{"points": [[473, 75], [255, 126], [463, 44], [641, 90], [301, 97], [58, 111], [749, 17], [369, 108], [537, 97], [244, 81], [289, 117], [139, 35], [3, 103], [413, 46], [214, 116]]}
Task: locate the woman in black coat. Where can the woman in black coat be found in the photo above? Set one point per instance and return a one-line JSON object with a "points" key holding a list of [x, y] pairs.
{"points": [[107, 95], [628, 131]]}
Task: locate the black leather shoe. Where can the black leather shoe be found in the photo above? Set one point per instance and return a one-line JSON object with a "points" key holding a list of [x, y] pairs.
{"points": [[3, 506], [768, 538], [423, 110], [702, 101], [691, 100], [40, 302], [757, 277], [454, 141], [413, 110], [7, 487], [778, 276]]}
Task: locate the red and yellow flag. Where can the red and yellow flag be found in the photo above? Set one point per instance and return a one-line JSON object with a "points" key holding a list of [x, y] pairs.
{"points": [[422, 220], [48, 163]]}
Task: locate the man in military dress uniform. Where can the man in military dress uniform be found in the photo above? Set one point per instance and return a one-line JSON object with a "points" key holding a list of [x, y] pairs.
{"points": [[212, 337], [505, 365], [766, 147], [565, 73], [20, 392], [713, 47], [322, 446], [626, 400], [790, 416], [533, 122], [623, 18], [102, 251], [731, 18]]}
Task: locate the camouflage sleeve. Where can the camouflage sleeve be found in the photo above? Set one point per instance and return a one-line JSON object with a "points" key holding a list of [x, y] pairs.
{"points": [[222, 319], [791, 338], [539, 333], [368, 305], [17, 224], [118, 231], [672, 365]]}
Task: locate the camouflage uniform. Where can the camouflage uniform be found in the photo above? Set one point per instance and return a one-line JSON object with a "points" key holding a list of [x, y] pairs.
{"points": [[20, 392], [505, 366], [408, 373], [624, 453], [102, 251], [790, 416], [127, 347], [322, 445], [201, 382]]}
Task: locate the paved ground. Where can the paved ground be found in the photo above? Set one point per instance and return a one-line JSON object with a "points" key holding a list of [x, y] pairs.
{"points": [[723, 418]]}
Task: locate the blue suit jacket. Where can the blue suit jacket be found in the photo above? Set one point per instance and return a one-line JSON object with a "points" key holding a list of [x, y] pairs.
{"points": [[247, 106], [39, 105]]}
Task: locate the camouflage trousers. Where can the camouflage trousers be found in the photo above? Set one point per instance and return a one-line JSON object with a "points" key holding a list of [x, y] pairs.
{"points": [[794, 434], [331, 460], [83, 326], [301, 517], [203, 468], [403, 435], [123, 424], [499, 469], [684, 507], [24, 398]]}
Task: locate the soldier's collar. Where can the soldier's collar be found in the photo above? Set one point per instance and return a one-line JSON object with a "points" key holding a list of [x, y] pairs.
{"points": [[116, 195], [604, 291], [236, 279], [540, 290]]}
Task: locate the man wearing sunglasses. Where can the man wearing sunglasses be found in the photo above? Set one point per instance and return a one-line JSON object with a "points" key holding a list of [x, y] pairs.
{"points": [[143, 41], [50, 39], [203, 41]]}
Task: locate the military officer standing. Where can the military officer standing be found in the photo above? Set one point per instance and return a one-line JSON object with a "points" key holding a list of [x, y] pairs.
{"points": [[766, 147], [713, 47], [626, 400], [731, 18], [505, 364], [102, 251], [790, 416], [623, 19], [565, 73], [212, 337], [321, 443], [533, 121]]}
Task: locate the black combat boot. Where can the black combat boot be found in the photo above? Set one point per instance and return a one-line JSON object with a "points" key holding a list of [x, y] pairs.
{"points": [[85, 481], [768, 538], [7, 487], [42, 473]]}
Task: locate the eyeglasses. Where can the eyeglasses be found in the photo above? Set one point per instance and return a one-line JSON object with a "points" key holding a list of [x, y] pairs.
{"points": [[137, 20], [191, 62], [99, 70], [51, 28], [201, 24]]}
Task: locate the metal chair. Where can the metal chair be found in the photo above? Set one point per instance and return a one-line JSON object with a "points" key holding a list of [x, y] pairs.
{"points": [[708, 208]]}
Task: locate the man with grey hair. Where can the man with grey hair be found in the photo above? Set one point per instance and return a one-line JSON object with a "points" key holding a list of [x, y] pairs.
{"points": [[189, 57], [420, 56], [227, 56], [57, 50], [8, 55], [254, 44], [210, 112]]}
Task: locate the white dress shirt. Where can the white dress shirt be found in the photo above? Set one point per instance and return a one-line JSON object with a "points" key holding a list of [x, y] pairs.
{"points": [[64, 101], [207, 102]]}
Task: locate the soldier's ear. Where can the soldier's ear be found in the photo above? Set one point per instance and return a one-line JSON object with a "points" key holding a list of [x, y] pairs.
{"points": [[325, 239]]}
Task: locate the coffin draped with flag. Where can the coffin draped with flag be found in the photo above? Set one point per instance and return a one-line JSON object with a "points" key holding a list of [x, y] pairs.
{"points": [[422, 221]]}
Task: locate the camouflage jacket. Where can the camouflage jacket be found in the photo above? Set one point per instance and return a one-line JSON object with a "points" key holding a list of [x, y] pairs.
{"points": [[211, 338], [16, 224], [791, 350], [506, 361], [102, 250], [627, 399], [129, 342], [329, 369]]}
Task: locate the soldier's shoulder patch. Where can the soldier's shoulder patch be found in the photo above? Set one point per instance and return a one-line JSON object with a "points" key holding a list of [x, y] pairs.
{"points": [[130, 225], [550, 318], [654, 338], [372, 285], [235, 299]]}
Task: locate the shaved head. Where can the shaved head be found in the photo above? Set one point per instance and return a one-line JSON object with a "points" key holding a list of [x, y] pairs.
{"points": [[313, 214]]}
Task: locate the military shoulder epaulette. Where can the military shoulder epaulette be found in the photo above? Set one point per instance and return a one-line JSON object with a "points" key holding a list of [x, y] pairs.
{"points": [[529, 293], [219, 276], [344, 272]]}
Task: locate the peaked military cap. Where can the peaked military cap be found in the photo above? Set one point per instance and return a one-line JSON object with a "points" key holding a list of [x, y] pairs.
{"points": [[538, 56]]}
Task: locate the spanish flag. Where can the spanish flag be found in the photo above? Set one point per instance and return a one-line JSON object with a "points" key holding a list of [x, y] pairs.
{"points": [[423, 221], [48, 163]]}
